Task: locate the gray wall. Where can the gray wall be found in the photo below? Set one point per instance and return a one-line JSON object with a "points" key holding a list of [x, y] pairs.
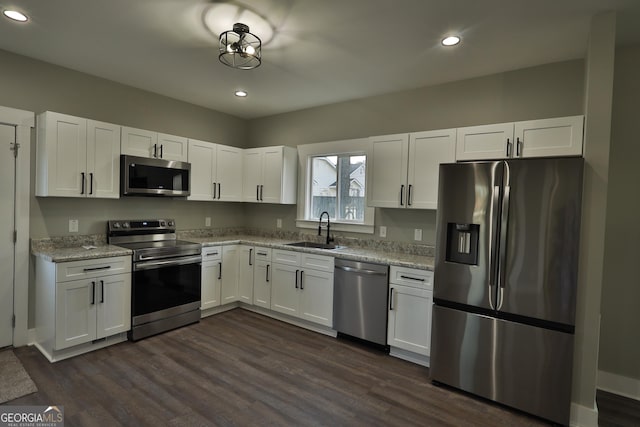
{"points": [[539, 92], [620, 327], [38, 86]]}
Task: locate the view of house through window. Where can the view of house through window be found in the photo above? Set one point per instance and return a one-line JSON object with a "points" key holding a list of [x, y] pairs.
{"points": [[338, 187]]}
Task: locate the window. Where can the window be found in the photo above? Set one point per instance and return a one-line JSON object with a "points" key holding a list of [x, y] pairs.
{"points": [[332, 178], [338, 187]]}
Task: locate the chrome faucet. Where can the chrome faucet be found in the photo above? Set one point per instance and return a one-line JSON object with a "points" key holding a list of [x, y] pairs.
{"points": [[329, 238]]}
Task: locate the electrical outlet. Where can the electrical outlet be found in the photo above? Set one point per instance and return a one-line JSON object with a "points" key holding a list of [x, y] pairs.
{"points": [[207, 221], [279, 223], [417, 234], [73, 226], [383, 231]]}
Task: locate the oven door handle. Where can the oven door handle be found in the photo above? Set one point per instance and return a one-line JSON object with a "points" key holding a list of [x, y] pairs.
{"points": [[149, 265]]}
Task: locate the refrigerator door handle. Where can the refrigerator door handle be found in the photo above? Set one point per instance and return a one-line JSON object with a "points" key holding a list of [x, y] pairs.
{"points": [[493, 243], [502, 273]]}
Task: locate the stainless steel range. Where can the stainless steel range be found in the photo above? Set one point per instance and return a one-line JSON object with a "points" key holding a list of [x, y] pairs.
{"points": [[166, 275]]}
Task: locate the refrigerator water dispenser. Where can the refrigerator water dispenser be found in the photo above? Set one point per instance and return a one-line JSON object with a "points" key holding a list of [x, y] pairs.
{"points": [[462, 243]]}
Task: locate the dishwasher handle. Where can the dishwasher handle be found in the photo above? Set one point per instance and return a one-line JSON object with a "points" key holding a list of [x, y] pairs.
{"points": [[360, 270]]}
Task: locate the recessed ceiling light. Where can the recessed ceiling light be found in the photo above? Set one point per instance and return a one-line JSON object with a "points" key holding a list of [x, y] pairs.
{"points": [[241, 93], [450, 41], [15, 15]]}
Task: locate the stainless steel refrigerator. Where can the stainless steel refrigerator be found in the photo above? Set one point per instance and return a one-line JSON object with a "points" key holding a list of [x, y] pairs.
{"points": [[505, 281]]}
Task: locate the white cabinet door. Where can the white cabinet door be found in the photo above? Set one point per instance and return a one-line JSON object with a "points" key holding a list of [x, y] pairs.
{"points": [[427, 150], [409, 326], [252, 167], [316, 296], [285, 289], [139, 142], [75, 313], [271, 192], [113, 303], [484, 142], [388, 171], [229, 286], [172, 147], [61, 155], [246, 264], [229, 173], [202, 156], [262, 283], [103, 160], [211, 283], [549, 137]]}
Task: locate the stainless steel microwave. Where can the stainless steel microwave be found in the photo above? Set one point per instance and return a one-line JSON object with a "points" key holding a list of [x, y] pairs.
{"points": [[141, 176]]}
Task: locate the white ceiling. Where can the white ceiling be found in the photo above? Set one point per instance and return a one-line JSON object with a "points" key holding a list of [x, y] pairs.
{"points": [[323, 51]]}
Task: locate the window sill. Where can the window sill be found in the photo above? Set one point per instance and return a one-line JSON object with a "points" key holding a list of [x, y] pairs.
{"points": [[337, 226]]}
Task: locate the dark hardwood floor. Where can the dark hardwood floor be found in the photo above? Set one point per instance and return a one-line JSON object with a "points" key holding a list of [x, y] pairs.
{"points": [[241, 368], [617, 411]]}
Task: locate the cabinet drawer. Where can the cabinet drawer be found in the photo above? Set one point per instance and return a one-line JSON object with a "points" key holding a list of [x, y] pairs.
{"points": [[411, 277], [75, 270], [317, 262], [211, 253], [286, 257], [263, 254]]}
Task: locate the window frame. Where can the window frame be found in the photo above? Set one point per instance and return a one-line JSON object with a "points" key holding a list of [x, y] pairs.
{"points": [[306, 152]]}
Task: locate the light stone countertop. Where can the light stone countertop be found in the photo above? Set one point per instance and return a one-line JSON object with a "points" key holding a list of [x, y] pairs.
{"points": [[78, 253], [421, 262]]}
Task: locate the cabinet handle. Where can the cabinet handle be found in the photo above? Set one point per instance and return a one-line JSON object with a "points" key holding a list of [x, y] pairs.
{"points": [[93, 293], [250, 252], [518, 147], [155, 150], [301, 284], [268, 265], [214, 191], [402, 195], [161, 151], [508, 148], [261, 191], [412, 278], [82, 182], [220, 271], [90, 182], [102, 291], [106, 267], [391, 299], [219, 191], [297, 278], [262, 253], [257, 192], [409, 195], [212, 254]]}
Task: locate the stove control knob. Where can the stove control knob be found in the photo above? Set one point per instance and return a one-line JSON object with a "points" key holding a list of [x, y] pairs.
{"points": [[116, 225], [125, 225], [163, 224], [171, 224]]}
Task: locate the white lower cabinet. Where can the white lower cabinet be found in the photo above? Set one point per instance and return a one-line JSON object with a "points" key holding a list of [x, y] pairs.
{"points": [[229, 275], [262, 278], [211, 277], [302, 286], [246, 266], [80, 302], [410, 305]]}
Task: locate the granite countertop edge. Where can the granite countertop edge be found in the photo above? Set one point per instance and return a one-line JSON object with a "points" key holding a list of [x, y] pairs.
{"points": [[65, 254]]}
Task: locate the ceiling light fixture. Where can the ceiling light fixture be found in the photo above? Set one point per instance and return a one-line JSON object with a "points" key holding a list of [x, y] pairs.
{"points": [[450, 41], [239, 48], [241, 93], [15, 15]]}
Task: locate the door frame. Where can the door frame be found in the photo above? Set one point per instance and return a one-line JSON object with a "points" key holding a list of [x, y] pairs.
{"points": [[23, 121]]}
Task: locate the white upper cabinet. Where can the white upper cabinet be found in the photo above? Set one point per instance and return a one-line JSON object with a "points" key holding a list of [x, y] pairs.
{"points": [[77, 157], [216, 171], [560, 136], [144, 143], [404, 168], [270, 175]]}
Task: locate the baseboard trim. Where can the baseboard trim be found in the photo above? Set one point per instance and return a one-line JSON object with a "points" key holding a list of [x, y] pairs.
{"points": [[581, 416], [618, 384]]}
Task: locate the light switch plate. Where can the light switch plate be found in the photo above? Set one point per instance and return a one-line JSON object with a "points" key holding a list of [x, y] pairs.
{"points": [[207, 221], [417, 234], [279, 223], [383, 231], [73, 226]]}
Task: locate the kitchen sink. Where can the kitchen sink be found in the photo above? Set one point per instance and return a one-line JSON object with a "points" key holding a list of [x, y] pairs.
{"points": [[315, 245]]}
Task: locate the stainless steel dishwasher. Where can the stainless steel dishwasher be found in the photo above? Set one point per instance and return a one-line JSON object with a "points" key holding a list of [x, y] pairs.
{"points": [[360, 300]]}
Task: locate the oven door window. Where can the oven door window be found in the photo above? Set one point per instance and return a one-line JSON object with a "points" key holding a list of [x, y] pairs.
{"points": [[157, 178], [165, 287]]}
